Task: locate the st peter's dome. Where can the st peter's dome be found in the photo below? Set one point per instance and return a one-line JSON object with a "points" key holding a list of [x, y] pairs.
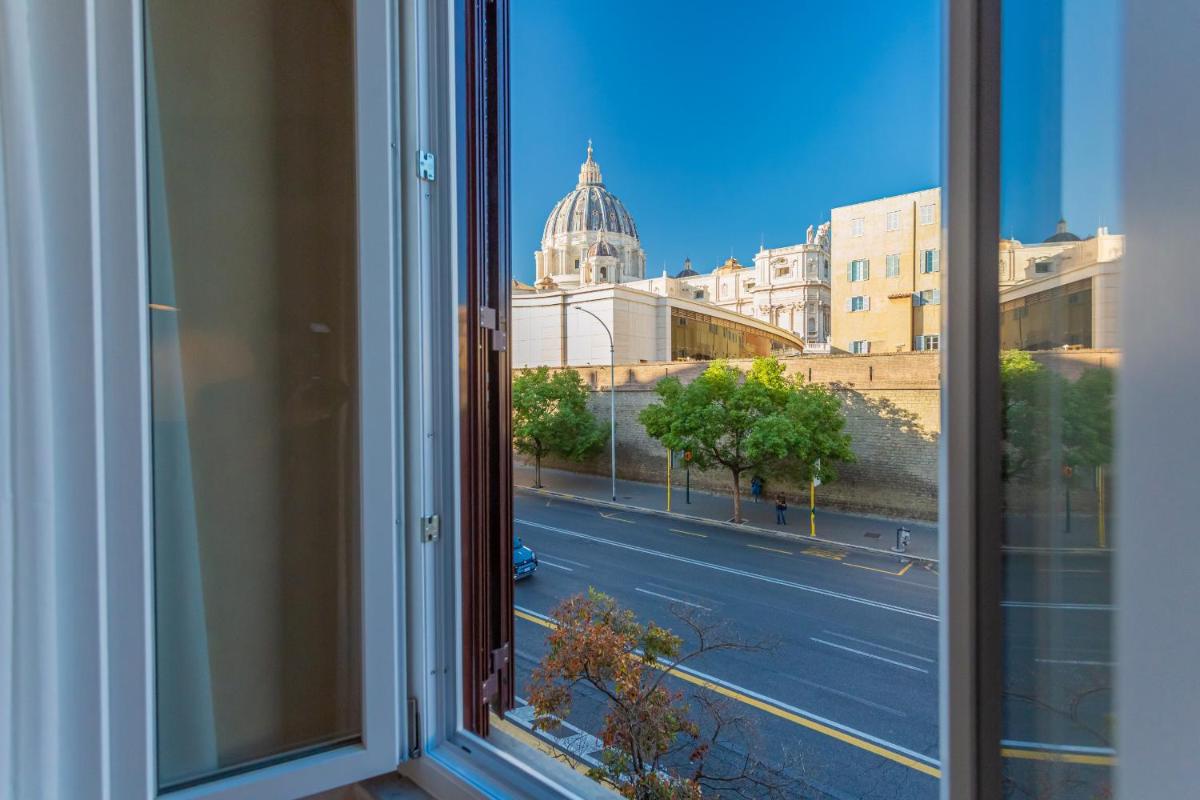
{"points": [[589, 207]]}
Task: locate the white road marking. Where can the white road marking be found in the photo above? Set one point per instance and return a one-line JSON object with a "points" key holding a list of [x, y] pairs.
{"points": [[868, 655], [740, 572], [881, 647], [567, 560], [847, 695], [1060, 748], [549, 563], [672, 599], [1059, 606], [1080, 663]]}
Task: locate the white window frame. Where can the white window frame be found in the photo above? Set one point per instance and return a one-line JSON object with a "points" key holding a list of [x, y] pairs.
{"points": [[860, 347], [857, 227], [928, 214], [122, 315], [892, 265], [859, 270], [893, 220], [862, 301]]}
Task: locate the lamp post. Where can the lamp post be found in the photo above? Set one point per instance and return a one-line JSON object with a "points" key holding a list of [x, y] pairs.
{"points": [[612, 395]]}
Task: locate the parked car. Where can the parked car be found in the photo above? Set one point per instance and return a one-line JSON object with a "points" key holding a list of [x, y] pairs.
{"points": [[525, 561]]}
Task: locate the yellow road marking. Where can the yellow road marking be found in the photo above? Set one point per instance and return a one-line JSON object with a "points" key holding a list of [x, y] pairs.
{"points": [[772, 549], [854, 741], [689, 533], [1049, 755], [903, 569], [538, 620], [615, 517], [816, 552]]}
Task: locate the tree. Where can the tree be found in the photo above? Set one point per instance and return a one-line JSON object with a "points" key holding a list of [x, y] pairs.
{"points": [[657, 745], [759, 420], [550, 417], [1088, 419], [1028, 392]]}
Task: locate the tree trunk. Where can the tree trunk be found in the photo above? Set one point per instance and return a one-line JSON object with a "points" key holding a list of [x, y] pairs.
{"points": [[537, 470], [737, 496]]}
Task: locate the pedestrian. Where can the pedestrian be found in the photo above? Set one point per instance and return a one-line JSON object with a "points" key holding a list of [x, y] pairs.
{"points": [[756, 487], [781, 510]]}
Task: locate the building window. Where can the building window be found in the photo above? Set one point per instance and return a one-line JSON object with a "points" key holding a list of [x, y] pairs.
{"points": [[893, 220], [812, 326], [930, 342], [860, 269], [1043, 267], [892, 265], [860, 346], [856, 227], [927, 214], [928, 297], [699, 294], [859, 303], [929, 261], [782, 272]]}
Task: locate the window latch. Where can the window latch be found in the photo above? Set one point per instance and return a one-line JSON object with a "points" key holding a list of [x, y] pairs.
{"points": [[431, 528], [426, 165]]}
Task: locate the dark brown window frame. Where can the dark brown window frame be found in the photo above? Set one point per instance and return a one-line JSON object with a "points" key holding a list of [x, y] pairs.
{"points": [[485, 398]]}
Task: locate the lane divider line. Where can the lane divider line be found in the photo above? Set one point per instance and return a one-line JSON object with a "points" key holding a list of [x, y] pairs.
{"points": [[772, 549], [868, 655], [615, 518], [672, 599], [803, 587], [550, 563], [882, 647], [689, 533]]}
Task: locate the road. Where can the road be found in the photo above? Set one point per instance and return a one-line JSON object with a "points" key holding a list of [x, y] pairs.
{"points": [[844, 694]]}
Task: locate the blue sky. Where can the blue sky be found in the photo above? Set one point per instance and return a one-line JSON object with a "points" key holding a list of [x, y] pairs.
{"points": [[733, 124]]}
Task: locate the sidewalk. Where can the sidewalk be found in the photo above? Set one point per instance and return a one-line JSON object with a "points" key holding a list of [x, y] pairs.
{"points": [[836, 527]]}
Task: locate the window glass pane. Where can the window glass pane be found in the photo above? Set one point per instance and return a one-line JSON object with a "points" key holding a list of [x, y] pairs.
{"points": [[253, 318], [1060, 262]]}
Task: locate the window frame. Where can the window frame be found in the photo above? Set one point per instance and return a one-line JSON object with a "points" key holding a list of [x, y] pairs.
{"points": [[123, 313], [891, 268]]}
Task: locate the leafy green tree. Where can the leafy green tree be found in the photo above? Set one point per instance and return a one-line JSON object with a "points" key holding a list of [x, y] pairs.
{"points": [[550, 417], [761, 420], [1028, 390], [1088, 419]]}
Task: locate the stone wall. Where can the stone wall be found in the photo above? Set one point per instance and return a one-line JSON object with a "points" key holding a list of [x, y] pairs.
{"points": [[892, 405], [892, 415]]}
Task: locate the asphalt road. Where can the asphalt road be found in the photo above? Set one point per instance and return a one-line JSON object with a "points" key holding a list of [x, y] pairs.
{"points": [[841, 687]]}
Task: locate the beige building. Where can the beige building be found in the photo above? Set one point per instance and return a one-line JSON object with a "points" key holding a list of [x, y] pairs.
{"points": [[1062, 292], [887, 266]]}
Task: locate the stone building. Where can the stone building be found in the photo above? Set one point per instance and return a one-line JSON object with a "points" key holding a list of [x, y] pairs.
{"points": [[886, 274], [590, 238]]}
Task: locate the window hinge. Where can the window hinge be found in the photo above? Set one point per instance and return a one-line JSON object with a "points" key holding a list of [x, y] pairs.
{"points": [[490, 319], [426, 165], [414, 728], [499, 673], [431, 528]]}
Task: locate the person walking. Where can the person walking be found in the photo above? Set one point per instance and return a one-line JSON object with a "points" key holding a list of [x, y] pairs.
{"points": [[756, 487], [781, 510]]}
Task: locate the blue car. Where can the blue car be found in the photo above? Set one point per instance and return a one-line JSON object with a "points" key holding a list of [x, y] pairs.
{"points": [[525, 561]]}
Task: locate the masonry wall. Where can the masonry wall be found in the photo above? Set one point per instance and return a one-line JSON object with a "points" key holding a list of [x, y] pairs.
{"points": [[892, 415]]}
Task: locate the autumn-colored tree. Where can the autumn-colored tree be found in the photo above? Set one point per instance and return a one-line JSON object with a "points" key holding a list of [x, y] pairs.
{"points": [[658, 745], [550, 417], [758, 421]]}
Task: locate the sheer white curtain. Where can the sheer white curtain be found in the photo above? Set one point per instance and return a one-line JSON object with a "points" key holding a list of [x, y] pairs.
{"points": [[51, 703]]}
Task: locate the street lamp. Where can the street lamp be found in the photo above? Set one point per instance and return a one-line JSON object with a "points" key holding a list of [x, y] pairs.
{"points": [[612, 395]]}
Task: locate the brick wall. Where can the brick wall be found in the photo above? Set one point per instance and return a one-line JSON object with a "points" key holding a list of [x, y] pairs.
{"points": [[892, 415]]}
